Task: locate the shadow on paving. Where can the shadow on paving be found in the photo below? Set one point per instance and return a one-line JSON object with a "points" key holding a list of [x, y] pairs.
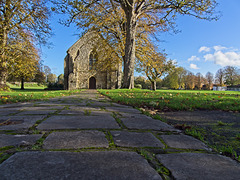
{"points": [[87, 136]]}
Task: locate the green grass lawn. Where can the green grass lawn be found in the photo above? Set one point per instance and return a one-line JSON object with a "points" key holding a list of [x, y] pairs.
{"points": [[222, 137], [166, 100], [27, 86], [31, 94]]}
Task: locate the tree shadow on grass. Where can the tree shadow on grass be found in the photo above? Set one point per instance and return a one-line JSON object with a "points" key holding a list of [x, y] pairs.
{"points": [[27, 90]]}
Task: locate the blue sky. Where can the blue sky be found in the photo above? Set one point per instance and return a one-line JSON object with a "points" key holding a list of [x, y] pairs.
{"points": [[201, 46]]}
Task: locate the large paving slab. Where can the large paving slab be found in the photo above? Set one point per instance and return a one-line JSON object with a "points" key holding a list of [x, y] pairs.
{"points": [[183, 142], [84, 108], [98, 104], [57, 105], [107, 165], [17, 105], [200, 166], [17, 140], [135, 139], [79, 122], [201, 117], [37, 112], [40, 108], [19, 122], [145, 122], [7, 111], [71, 112], [119, 105], [123, 110], [85, 111], [75, 140]]}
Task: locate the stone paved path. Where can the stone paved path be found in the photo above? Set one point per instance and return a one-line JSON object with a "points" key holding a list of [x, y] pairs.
{"points": [[86, 136]]}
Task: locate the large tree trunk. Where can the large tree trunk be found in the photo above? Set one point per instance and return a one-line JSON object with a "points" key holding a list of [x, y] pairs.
{"points": [[153, 85], [129, 61], [22, 83], [3, 64], [3, 75]]}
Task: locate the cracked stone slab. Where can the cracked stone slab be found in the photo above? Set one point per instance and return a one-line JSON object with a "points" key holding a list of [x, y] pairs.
{"points": [[19, 122], [75, 140], [135, 139], [17, 140], [200, 166], [79, 122], [129, 109], [105, 165], [183, 142], [146, 122], [37, 112]]}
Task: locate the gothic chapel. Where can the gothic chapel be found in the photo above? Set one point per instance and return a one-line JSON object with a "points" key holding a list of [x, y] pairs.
{"points": [[79, 72]]}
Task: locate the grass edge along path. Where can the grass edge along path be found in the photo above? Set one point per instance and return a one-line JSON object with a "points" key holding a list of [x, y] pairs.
{"points": [[16, 96], [148, 100], [177, 100]]}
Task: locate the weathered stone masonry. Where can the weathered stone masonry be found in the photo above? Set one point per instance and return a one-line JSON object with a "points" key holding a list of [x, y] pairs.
{"points": [[78, 73]]}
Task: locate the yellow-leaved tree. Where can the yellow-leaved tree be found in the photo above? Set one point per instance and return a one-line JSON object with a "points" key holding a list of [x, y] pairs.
{"points": [[16, 18], [144, 14], [26, 58], [154, 64]]}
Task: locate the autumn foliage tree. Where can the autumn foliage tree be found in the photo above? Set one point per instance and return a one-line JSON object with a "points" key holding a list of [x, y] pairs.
{"points": [[231, 75], [176, 78], [137, 15], [154, 64], [18, 17], [26, 59]]}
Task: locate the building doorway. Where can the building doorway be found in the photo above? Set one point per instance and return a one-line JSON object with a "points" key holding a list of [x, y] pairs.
{"points": [[92, 83]]}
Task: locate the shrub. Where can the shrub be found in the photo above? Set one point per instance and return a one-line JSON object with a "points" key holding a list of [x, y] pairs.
{"points": [[139, 86], [4, 88], [54, 86]]}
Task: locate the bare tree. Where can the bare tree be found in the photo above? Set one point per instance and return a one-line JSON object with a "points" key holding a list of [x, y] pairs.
{"points": [[219, 77], [199, 80], [209, 78]]}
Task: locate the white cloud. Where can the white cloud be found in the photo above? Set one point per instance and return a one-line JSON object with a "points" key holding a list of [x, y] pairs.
{"points": [[194, 58], [224, 58], [193, 66], [219, 48], [204, 49]]}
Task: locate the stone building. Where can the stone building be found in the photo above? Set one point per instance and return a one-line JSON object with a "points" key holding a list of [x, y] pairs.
{"points": [[79, 72]]}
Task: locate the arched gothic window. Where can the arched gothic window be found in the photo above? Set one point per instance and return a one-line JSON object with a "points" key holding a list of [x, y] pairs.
{"points": [[92, 60]]}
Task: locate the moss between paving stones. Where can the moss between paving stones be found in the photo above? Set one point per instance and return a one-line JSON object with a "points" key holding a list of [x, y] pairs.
{"points": [[149, 153]]}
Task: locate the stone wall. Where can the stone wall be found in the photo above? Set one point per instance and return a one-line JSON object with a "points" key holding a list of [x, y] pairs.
{"points": [[76, 67]]}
